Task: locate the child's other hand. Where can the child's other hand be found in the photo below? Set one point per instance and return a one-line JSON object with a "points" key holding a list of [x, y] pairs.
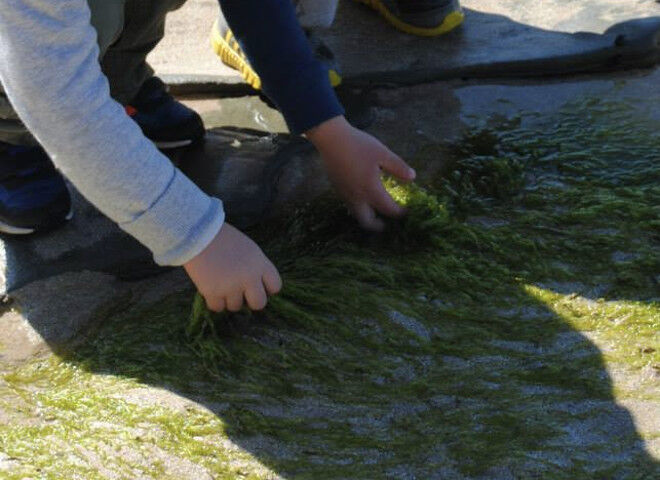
{"points": [[355, 162], [233, 268]]}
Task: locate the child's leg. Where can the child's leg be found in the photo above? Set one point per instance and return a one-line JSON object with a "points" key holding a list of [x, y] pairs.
{"points": [[35, 196], [124, 62], [168, 123], [127, 35], [311, 14], [316, 13], [12, 130], [108, 20]]}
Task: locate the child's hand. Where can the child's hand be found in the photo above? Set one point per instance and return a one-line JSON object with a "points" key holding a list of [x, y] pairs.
{"points": [[232, 268], [355, 161]]}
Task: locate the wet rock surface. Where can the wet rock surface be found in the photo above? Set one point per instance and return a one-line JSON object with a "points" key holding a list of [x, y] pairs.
{"points": [[471, 380], [488, 45], [533, 355], [256, 174], [498, 39]]}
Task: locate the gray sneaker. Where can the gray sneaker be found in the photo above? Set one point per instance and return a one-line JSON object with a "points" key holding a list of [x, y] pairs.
{"points": [[427, 18]]}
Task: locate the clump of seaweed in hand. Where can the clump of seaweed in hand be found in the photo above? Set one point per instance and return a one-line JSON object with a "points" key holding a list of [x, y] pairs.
{"points": [[320, 244], [317, 246]]}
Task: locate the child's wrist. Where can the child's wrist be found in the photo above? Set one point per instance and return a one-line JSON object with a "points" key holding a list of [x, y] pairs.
{"points": [[328, 132]]}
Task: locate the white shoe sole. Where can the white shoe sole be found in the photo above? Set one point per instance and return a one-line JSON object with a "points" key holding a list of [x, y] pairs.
{"points": [[11, 230]]}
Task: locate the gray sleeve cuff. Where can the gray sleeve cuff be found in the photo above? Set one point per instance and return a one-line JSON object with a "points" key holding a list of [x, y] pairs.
{"points": [[180, 224]]}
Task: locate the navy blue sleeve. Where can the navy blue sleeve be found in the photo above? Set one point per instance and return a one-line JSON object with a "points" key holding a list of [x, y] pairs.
{"points": [[276, 46]]}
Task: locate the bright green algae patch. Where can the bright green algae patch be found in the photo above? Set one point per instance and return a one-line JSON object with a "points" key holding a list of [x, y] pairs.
{"points": [[496, 332]]}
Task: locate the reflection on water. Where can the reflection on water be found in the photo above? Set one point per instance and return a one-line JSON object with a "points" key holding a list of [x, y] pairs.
{"points": [[243, 112]]}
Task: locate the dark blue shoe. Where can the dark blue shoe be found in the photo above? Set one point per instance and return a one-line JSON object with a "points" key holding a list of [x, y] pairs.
{"points": [[163, 120], [33, 195]]}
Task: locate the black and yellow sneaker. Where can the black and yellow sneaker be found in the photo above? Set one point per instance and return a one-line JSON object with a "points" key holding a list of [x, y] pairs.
{"points": [[426, 18], [230, 52]]}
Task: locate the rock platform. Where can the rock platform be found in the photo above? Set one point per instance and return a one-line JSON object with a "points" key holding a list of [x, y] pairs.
{"points": [[79, 398]]}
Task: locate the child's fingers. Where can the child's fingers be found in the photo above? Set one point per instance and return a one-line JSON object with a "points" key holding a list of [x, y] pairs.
{"points": [[256, 297], [234, 301], [384, 203], [215, 304], [394, 165], [367, 218], [272, 280]]}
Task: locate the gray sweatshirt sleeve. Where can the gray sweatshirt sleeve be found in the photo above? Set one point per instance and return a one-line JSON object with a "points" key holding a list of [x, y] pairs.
{"points": [[49, 69]]}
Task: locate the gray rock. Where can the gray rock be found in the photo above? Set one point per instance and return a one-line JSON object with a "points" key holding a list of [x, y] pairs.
{"points": [[498, 38], [52, 312], [7, 462], [525, 313], [178, 467], [520, 347], [308, 408], [270, 447], [401, 472], [487, 222], [412, 325], [89, 241], [256, 174], [492, 45], [624, 257]]}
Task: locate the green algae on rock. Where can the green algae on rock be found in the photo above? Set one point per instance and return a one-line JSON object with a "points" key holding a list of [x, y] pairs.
{"points": [[556, 188], [505, 331]]}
